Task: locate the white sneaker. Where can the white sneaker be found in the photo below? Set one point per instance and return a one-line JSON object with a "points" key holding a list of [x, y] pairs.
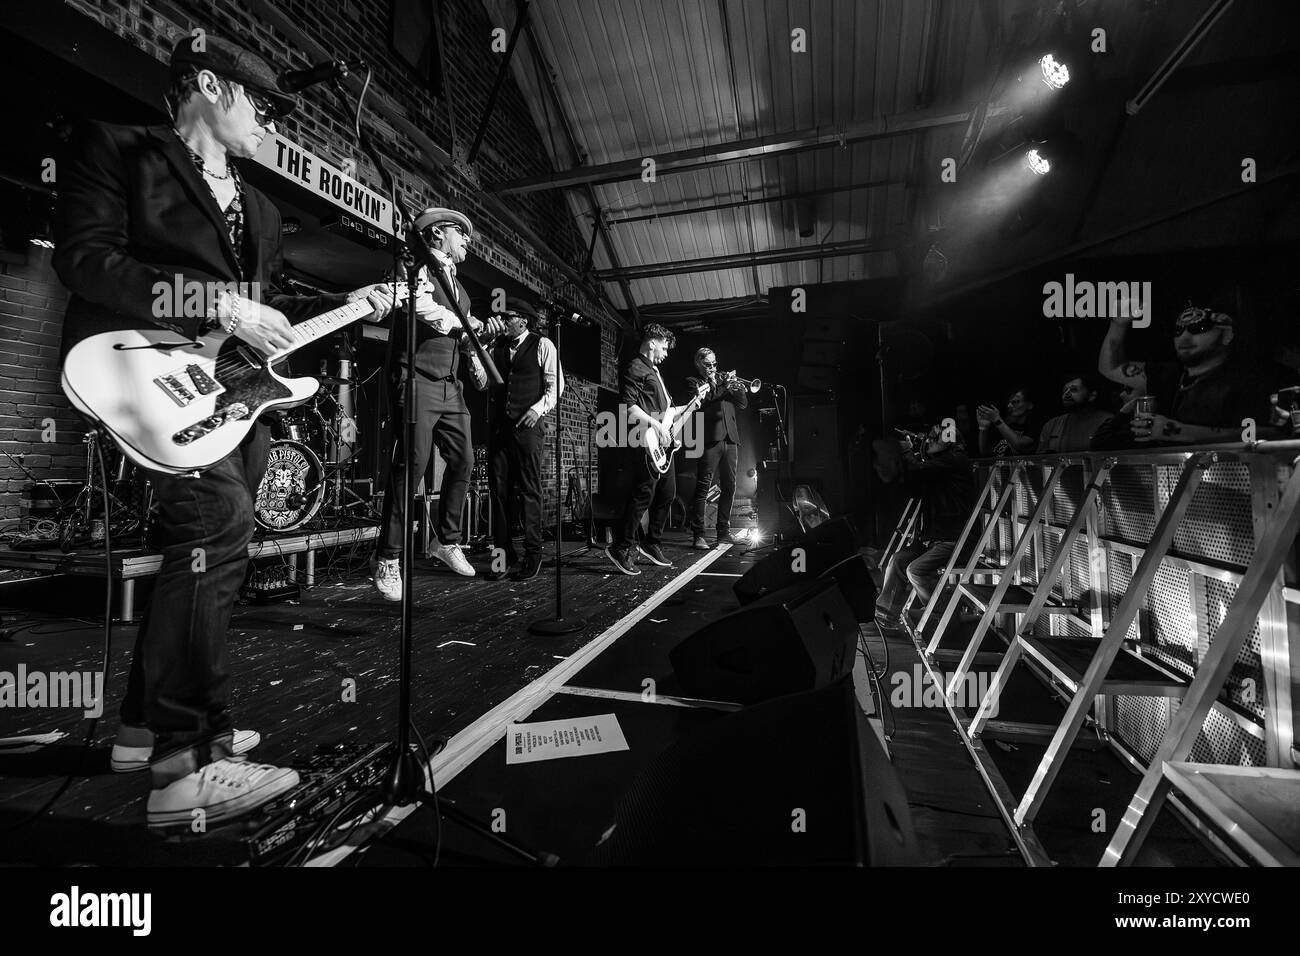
{"points": [[451, 555], [223, 790], [134, 746], [388, 578]]}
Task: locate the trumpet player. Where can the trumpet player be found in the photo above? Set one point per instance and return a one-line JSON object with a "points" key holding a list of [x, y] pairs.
{"points": [[721, 441]]}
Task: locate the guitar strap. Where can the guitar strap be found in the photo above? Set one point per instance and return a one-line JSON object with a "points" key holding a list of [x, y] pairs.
{"points": [[663, 391]]}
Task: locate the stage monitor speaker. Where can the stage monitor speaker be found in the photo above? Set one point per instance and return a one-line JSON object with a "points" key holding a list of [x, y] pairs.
{"points": [[821, 547], [794, 640], [800, 780]]}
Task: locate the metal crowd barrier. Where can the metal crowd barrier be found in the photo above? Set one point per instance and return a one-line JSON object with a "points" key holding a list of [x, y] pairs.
{"points": [[1156, 593]]}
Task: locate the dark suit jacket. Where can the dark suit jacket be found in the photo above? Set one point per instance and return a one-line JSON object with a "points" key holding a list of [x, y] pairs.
{"points": [[134, 211], [719, 409]]}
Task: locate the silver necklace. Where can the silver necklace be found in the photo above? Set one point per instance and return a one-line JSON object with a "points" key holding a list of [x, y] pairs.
{"points": [[203, 166]]}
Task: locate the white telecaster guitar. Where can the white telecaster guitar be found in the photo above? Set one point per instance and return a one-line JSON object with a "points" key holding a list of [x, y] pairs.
{"points": [[180, 407]]}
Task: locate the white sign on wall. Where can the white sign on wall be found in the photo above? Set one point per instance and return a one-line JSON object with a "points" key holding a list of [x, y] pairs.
{"points": [[323, 178]]}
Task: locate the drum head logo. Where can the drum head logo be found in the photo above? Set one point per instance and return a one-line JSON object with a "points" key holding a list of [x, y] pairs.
{"points": [[284, 501]]}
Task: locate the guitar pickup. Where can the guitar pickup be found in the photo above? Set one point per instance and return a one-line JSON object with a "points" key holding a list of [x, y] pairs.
{"points": [[204, 382], [179, 394], [232, 412]]}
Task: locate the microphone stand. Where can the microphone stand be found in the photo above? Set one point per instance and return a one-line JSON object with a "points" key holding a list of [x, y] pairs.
{"points": [[558, 625], [404, 782]]}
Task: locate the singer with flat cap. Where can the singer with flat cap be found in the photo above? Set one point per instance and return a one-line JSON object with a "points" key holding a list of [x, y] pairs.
{"points": [[442, 418], [142, 206], [533, 383]]}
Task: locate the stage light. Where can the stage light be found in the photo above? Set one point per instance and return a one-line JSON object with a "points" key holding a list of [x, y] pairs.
{"points": [[1037, 163], [1055, 74]]}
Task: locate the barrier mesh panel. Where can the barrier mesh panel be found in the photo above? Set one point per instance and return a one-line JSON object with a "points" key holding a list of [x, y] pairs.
{"points": [[1218, 522], [1223, 740], [1140, 722], [1128, 504], [1247, 667], [1170, 634], [1119, 566]]}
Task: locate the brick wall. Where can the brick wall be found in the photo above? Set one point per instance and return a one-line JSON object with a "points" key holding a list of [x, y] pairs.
{"points": [[35, 418], [31, 300]]}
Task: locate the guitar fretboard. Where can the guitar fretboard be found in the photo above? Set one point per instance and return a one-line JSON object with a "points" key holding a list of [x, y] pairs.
{"points": [[328, 322], [307, 332]]}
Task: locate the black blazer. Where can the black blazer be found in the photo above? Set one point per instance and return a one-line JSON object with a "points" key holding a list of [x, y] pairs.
{"points": [[134, 211], [719, 408]]}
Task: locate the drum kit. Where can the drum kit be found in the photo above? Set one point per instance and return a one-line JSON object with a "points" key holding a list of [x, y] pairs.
{"points": [[313, 452]]}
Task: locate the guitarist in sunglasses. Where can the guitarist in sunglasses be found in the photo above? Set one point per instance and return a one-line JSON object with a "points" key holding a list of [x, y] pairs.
{"points": [[164, 205]]}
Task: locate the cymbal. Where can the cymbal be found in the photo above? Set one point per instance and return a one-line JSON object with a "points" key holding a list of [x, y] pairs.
{"points": [[332, 380]]}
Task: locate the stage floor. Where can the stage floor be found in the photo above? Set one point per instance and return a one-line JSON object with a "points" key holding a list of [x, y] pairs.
{"points": [[476, 669]]}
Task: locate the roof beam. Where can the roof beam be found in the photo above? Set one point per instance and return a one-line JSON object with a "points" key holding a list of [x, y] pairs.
{"points": [[521, 17], [746, 259], [739, 151], [546, 79], [762, 200]]}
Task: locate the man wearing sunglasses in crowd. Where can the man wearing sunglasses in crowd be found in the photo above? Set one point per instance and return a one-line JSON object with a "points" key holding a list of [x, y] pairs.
{"points": [[1203, 397], [165, 205]]}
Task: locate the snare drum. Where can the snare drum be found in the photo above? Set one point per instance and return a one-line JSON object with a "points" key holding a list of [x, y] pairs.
{"points": [[303, 424], [292, 490]]}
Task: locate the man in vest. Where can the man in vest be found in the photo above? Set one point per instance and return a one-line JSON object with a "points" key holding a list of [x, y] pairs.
{"points": [[442, 420], [533, 383]]}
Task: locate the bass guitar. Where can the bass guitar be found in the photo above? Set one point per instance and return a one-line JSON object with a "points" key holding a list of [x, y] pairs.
{"points": [[659, 454]]}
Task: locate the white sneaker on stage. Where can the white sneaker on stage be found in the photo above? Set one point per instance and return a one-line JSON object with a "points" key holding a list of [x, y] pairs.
{"points": [[388, 578], [134, 746], [452, 556], [223, 790]]}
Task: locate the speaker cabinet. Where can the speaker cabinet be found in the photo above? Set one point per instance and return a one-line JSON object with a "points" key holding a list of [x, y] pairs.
{"points": [[799, 780], [822, 547], [796, 639]]}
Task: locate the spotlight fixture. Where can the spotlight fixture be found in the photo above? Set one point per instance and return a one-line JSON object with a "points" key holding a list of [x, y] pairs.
{"points": [[1055, 74], [1037, 163]]}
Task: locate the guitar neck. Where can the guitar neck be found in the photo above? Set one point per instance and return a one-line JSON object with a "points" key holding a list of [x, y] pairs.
{"points": [[680, 418], [304, 333]]}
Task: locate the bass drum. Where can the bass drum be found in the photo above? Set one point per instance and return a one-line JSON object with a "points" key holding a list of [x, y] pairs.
{"points": [[292, 490]]}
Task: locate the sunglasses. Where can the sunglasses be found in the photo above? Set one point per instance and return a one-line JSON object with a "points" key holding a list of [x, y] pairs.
{"points": [[1196, 321], [263, 109], [1200, 327], [429, 231]]}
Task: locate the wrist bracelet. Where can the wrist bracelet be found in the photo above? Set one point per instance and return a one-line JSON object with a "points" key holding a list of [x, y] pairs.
{"points": [[233, 324]]}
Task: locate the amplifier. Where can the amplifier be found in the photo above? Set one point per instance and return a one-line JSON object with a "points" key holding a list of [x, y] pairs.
{"points": [[329, 780]]}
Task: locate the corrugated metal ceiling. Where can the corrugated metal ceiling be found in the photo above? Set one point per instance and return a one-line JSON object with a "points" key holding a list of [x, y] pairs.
{"points": [[639, 79]]}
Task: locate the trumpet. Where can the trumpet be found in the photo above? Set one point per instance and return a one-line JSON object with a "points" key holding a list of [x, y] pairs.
{"points": [[754, 385]]}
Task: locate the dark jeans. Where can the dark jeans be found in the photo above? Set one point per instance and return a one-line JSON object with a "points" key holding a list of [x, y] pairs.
{"points": [[515, 462], [179, 684], [652, 491], [920, 564], [720, 458], [442, 420]]}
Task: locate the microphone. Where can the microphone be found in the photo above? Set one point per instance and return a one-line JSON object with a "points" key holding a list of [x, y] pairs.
{"points": [[294, 81]]}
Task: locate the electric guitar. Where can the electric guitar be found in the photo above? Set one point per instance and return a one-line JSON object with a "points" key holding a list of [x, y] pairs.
{"points": [[659, 456], [180, 407]]}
